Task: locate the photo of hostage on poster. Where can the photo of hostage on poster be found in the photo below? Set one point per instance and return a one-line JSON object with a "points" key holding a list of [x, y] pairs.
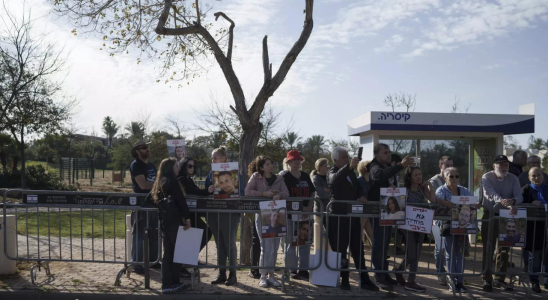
{"points": [[464, 215], [301, 234], [176, 148], [225, 180], [273, 219], [393, 206], [512, 228]]}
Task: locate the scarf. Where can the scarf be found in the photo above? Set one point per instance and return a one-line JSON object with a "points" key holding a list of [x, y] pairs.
{"points": [[540, 189]]}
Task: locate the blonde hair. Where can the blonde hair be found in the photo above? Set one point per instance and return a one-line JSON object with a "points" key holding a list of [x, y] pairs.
{"points": [[220, 150], [319, 163], [362, 167], [284, 164]]}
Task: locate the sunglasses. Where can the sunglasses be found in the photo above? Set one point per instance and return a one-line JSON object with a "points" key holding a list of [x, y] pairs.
{"points": [[454, 176], [143, 148], [190, 166]]}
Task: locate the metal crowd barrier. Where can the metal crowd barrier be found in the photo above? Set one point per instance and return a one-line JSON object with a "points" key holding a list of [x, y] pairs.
{"points": [[81, 244]]}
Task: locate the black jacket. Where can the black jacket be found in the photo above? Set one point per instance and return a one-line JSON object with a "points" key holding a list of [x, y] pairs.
{"points": [[344, 185], [515, 169], [535, 229], [379, 177], [172, 188], [191, 188]]}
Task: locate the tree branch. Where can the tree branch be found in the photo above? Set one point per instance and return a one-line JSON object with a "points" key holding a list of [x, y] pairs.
{"points": [[268, 89], [197, 13], [230, 33], [266, 68]]}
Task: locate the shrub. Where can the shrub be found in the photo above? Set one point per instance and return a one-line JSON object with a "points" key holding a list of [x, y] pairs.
{"points": [[37, 179]]}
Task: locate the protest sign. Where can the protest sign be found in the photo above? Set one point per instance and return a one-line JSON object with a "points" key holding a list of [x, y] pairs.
{"points": [[176, 148], [225, 179], [418, 219], [273, 219], [301, 234], [512, 228], [187, 246], [392, 206], [464, 215]]}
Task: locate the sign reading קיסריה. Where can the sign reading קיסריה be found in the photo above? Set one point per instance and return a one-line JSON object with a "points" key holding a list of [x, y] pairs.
{"points": [[225, 180]]}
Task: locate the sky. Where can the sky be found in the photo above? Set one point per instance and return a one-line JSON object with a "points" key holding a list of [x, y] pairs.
{"points": [[489, 54]]}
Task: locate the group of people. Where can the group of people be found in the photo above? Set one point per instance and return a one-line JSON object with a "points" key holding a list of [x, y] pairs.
{"points": [[504, 187]]}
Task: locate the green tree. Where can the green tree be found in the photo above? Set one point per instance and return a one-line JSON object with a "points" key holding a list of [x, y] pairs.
{"points": [[110, 128], [7, 144], [536, 143], [291, 139], [136, 130]]}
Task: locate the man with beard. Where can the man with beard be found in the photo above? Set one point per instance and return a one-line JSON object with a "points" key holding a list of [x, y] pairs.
{"points": [[500, 190], [511, 235], [143, 174]]}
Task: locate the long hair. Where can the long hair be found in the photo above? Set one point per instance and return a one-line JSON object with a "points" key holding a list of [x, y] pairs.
{"points": [[407, 178], [220, 150], [319, 163], [396, 204], [165, 174], [257, 164], [184, 163]]}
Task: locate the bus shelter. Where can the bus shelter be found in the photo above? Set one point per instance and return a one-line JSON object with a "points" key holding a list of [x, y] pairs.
{"points": [[471, 140]]}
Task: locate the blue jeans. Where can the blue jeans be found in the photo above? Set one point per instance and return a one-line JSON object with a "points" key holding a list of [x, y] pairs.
{"points": [[290, 252], [139, 236], [439, 247], [532, 264], [454, 258], [381, 240]]}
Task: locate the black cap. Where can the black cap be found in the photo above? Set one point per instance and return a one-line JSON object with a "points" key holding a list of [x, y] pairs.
{"points": [[501, 158]]}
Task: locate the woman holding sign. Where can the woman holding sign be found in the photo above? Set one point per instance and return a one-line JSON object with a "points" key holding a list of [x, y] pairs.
{"points": [[454, 244], [418, 191], [263, 183]]}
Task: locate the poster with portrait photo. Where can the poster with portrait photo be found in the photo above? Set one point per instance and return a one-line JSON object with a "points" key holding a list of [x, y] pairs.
{"points": [[464, 215], [225, 180], [393, 206], [301, 234], [176, 148], [273, 219], [512, 228]]}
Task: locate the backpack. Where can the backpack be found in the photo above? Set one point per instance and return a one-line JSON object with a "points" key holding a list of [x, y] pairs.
{"points": [[169, 213]]}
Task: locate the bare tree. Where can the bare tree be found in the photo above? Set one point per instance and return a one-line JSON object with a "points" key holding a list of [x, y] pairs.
{"points": [[177, 125], [456, 108], [401, 99]]}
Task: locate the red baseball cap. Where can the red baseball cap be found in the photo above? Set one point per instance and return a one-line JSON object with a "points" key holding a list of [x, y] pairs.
{"points": [[293, 155]]}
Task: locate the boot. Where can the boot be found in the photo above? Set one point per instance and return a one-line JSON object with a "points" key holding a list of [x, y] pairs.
{"points": [[221, 278], [231, 279]]}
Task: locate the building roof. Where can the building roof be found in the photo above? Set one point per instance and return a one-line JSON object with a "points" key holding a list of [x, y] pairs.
{"points": [[448, 122]]}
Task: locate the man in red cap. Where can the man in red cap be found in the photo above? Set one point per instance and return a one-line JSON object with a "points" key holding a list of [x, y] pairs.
{"points": [[299, 185]]}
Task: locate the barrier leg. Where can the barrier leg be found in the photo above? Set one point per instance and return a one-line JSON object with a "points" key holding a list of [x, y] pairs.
{"points": [[146, 260], [38, 267], [118, 280]]}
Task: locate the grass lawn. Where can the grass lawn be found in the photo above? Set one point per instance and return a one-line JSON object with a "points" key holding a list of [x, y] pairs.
{"points": [[66, 223]]}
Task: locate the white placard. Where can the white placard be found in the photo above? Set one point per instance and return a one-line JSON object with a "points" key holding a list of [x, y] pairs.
{"points": [[418, 219], [187, 246], [322, 275], [225, 180]]}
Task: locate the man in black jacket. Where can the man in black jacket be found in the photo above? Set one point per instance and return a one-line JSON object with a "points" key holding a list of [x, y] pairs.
{"points": [[344, 230], [382, 175]]}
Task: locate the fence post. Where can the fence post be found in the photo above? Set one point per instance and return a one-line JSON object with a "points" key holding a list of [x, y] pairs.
{"points": [[73, 169]]}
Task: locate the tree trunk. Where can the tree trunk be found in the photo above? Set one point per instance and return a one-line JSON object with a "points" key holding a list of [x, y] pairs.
{"points": [[248, 144], [22, 154], [4, 161]]}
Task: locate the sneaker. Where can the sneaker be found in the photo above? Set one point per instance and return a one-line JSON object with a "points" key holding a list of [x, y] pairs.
{"points": [[304, 275], [383, 285], [400, 279], [536, 288], [367, 284], [442, 280], [460, 288], [411, 286], [501, 284], [180, 287], [262, 282], [169, 290], [390, 280], [450, 286], [487, 286], [273, 282], [345, 284], [254, 275]]}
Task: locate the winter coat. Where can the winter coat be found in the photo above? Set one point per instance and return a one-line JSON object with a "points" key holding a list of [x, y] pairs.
{"points": [[257, 185]]}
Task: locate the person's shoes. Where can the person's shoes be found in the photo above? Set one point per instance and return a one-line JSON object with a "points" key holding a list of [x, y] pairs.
{"points": [[221, 278], [345, 284], [400, 279], [138, 270], [400, 251], [442, 280], [460, 288], [180, 287], [390, 280], [262, 282], [450, 286], [501, 284], [156, 266], [411, 286], [487, 286], [536, 288], [169, 290], [231, 279], [294, 275], [185, 273], [273, 282], [546, 286], [367, 284], [383, 285], [304, 275], [254, 275]]}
